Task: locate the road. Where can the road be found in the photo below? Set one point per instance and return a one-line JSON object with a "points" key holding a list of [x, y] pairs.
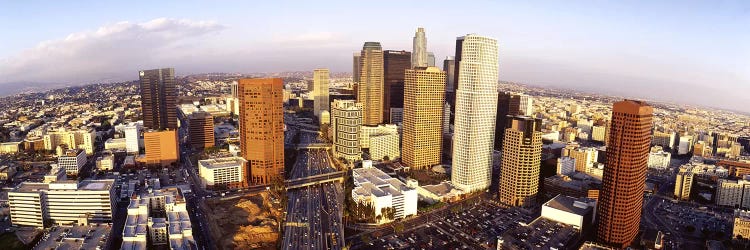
{"points": [[314, 212]]}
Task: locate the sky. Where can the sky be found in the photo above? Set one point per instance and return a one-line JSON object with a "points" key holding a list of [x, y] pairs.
{"points": [[694, 52]]}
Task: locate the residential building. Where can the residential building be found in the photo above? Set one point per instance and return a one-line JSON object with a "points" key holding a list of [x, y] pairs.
{"points": [[320, 90], [476, 106], [158, 98], [585, 156], [116, 144], [522, 155], [105, 162], [161, 147], [621, 198], [346, 121], [373, 186], [228, 172], [81, 139], [424, 98], [262, 128], [370, 85], [72, 160]]}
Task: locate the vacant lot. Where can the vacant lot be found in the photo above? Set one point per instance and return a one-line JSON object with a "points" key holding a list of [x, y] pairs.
{"points": [[248, 222]]}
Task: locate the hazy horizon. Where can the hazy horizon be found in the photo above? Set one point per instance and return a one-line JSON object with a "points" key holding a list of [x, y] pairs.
{"points": [[683, 52]]}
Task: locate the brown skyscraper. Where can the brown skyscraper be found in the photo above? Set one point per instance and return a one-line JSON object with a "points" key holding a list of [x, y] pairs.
{"points": [[370, 85], [394, 65], [621, 197], [159, 98], [201, 129], [522, 155], [423, 116], [262, 128]]}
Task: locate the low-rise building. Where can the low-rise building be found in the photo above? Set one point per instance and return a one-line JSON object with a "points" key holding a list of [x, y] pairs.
{"points": [[105, 162], [7, 172], [374, 187], [116, 144], [72, 160], [226, 172], [741, 228], [578, 212], [9, 147], [658, 158], [62, 202], [566, 165], [159, 217], [733, 193]]}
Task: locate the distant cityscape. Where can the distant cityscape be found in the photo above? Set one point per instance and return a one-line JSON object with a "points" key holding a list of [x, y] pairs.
{"points": [[396, 154]]}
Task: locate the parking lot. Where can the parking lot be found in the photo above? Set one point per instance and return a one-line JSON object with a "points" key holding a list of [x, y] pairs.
{"points": [[473, 227], [75, 237], [691, 221]]}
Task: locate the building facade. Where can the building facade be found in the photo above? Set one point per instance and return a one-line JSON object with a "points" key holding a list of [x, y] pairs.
{"points": [[262, 128], [658, 158], [424, 98], [376, 188], [72, 161], [476, 106], [419, 56], [621, 197], [522, 155], [159, 98], [62, 203]]}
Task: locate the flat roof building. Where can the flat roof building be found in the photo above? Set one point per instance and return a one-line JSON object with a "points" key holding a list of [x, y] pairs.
{"points": [[227, 172]]}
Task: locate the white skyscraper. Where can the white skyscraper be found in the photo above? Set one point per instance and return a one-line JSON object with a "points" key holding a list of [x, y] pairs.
{"points": [[476, 107], [132, 132], [320, 90], [419, 53]]}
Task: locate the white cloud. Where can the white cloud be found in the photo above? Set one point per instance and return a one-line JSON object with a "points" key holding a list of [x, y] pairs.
{"points": [[107, 53]]}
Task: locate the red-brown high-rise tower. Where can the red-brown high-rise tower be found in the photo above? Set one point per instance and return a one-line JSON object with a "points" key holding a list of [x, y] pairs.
{"points": [[262, 128], [621, 197]]}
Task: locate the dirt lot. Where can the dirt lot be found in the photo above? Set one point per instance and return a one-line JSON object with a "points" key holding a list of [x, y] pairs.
{"points": [[248, 222]]}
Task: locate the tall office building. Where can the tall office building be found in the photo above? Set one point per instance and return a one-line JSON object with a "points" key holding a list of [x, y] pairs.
{"points": [[419, 51], [430, 59], [395, 63], [320, 91], [346, 121], [370, 86], [201, 129], [621, 197], [522, 156], [476, 107], [424, 96], [449, 66], [509, 104], [456, 68], [159, 98], [356, 60], [262, 128]]}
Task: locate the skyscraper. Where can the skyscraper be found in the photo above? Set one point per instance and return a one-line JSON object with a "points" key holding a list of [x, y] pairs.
{"points": [[424, 97], [394, 65], [430, 59], [356, 60], [320, 91], [456, 68], [262, 128], [509, 104], [201, 129], [419, 51], [370, 86], [476, 107], [346, 121], [449, 66], [158, 98], [522, 155], [621, 197]]}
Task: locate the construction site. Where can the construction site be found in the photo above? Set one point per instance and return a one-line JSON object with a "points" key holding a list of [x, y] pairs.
{"points": [[246, 222]]}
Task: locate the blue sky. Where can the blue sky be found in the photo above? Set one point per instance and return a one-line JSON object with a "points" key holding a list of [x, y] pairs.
{"points": [[684, 51]]}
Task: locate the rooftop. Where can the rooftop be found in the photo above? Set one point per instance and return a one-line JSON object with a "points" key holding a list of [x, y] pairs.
{"points": [[222, 162], [579, 206]]}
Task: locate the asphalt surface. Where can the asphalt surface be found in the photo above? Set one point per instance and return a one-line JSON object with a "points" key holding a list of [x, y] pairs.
{"points": [[314, 212]]}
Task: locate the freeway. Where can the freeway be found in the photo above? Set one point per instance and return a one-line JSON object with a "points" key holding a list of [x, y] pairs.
{"points": [[314, 211]]}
